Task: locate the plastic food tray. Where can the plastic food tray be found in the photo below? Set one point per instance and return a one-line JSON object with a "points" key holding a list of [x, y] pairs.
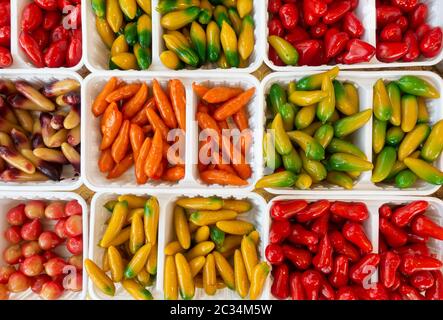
{"points": [[97, 181], [71, 180], [100, 215], [367, 15], [97, 57], [20, 59], [363, 137], [11, 199], [371, 225]]}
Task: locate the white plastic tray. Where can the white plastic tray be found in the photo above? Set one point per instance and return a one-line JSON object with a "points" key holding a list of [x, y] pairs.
{"points": [[97, 181], [371, 225], [367, 14], [97, 54], [71, 181], [363, 137], [11, 199], [21, 61], [258, 215]]}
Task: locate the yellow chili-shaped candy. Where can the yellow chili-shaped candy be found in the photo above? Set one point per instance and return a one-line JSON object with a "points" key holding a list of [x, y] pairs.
{"points": [[116, 223], [105, 261], [423, 113], [213, 41], [181, 227], [239, 206], [204, 218], [137, 237], [210, 203], [382, 104], [175, 20], [105, 32], [307, 98], [285, 50], [114, 15], [314, 168], [200, 249], [210, 275], [151, 265], [181, 49], [202, 234], [249, 253], [170, 286], [314, 82], [352, 95], [196, 265], [119, 46], [151, 220], [205, 14], [340, 179], [198, 38], [184, 276], [125, 61], [303, 182], [246, 38], [425, 171], [172, 248], [136, 290], [231, 242], [121, 238], [244, 7], [395, 99], [378, 135], [134, 202], [224, 270], [135, 212], [326, 107], [260, 273], [305, 117], [228, 40], [99, 278], [433, 145], [413, 140], [115, 264], [138, 261], [171, 60], [235, 19], [236, 227], [409, 112], [145, 5], [129, 8], [240, 275], [311, 147]]}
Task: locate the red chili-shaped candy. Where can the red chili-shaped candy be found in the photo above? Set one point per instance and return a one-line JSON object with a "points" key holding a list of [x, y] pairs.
{"points": [[404, 215], [336, 11], [425, 227], [288, 14], [430, 44], [300, 258], [312, 281], [419, 15], [283, 210], [391, 51], [279, 231], [391, 32], [280, 285], [363, 269], [389, 264], [274, 254], [355, 233], [414, 263], [394, 236], [322, 261], [352, 25], [413, 50], [296, 286], [32, 50], [340, 272], [354, 211], [55, 56], [313, 211], [32, 17], [300, 235]]}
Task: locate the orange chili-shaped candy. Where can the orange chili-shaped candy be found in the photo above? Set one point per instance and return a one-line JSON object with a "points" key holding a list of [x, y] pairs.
{"points": [[121, 143], [136, 137], [110, 125], [163, 105], [155, 155]]}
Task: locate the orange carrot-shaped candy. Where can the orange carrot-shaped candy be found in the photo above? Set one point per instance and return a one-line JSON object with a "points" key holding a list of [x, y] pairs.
{"points": [[110, 125], [174, 174], [234, 105], [223, 125], [222, 178], [141, 118], [155, 155], [160, 171], [121, 167], [199, 89], [99, 105], [202, 108], [124, 92], [221, 94], [136, 137], [147, 129], [205, 121], [241, 119], [121, 143], [177, 94], [105, 162], [134, 105], [156, 122], [163, 105], [140, 174]]}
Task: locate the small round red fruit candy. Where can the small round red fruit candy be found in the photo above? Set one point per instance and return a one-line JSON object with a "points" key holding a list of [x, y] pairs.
{"points": [[4, 292], [75, 245], [76, 261], [51, 290], [31, 248], [16, 216], [59, 228], [55, 210], [12, 254], [54, 267], [31, 230], [35, 209], [49, 240], [5, 273], [32, 266], [74, 226], [12, 234], [18, 282], [73, 208], [38, 282]]}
